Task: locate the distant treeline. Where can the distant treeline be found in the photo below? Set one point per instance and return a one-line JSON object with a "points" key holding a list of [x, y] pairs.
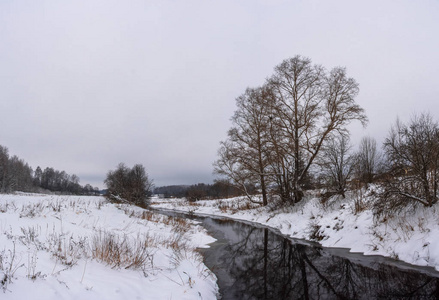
{"points": [[17, 175], [218, 190]]}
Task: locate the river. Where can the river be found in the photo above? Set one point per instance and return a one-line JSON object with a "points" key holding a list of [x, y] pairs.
{"points": [[254, 262]]}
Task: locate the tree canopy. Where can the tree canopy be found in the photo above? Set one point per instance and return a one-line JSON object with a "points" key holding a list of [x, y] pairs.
{"points": [[279, 129], [128, 184]]}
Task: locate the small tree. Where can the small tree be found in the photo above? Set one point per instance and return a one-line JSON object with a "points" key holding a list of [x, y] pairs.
{"points": [[337, 164], [368, 160], [38, 175], [140, 185], [413, 156], [197, 192], [132, 185]]}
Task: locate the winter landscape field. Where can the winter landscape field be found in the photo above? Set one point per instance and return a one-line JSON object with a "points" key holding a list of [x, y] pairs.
{"points": [[72, 247], [85, 247], [219, 150]]}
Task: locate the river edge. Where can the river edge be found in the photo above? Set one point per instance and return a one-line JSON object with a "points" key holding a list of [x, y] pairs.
{"points": [[410, 239], [359, 257], [243, 248]]}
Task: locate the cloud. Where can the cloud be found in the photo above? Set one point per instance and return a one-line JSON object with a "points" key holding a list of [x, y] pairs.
{"points": [[88, 84]]}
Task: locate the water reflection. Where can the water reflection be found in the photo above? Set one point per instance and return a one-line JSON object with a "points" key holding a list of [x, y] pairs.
{"points": [[254, 263]]}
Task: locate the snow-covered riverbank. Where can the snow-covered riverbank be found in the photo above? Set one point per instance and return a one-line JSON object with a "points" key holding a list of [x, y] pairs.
{"points": [[412, 236], [70, 247]]}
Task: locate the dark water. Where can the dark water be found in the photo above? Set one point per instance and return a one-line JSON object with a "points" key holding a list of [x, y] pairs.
{"points": [[257, 263]]}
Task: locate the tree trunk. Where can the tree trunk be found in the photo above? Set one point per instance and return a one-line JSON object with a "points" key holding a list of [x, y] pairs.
{"points": [[264, 191]]}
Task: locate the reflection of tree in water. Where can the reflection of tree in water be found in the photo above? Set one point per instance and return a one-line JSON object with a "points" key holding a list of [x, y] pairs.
{"points": [[266, 266]]}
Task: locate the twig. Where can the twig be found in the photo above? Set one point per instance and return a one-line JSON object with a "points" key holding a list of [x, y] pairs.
{"points": [[83, 273]]}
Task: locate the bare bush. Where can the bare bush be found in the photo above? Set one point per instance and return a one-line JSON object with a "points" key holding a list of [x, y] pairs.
{"points": [[413, 172]]}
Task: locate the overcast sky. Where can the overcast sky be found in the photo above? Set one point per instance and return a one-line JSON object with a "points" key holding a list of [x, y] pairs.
{"points": [[86, 84]]}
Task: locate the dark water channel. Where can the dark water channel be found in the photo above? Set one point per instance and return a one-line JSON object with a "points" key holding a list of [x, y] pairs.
{"points": [[257, 263]]}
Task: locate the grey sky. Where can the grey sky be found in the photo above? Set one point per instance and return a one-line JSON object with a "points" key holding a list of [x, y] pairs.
{"points": [[87, 84]]}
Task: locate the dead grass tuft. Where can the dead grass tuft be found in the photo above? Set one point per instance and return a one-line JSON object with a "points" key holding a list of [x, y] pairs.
{"points": [[121, 251]]}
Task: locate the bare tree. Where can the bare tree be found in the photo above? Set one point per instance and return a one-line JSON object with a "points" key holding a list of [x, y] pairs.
{"points": [[15, 173], [243, 157], [368, 160], [337, 164], [132, 185], [310, 105], [117, 182], [228, 165], [140, 185], [413, 153], [20, 175], [38, 175], [4, 169], [279, 129]]}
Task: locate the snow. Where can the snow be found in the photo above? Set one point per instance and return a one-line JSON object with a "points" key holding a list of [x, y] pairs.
{"points": [[410, 236], [49, 249], [49, 245]]}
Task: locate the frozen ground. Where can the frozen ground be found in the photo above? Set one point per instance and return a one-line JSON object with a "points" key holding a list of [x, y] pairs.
{"points": [[412, 236], [70, 247]]}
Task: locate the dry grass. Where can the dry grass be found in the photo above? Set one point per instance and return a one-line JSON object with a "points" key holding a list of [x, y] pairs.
{"points": [[314, 232], [113, 248], [5, 207], [32, 210], [9, 264], [180, 225], [122, 251], [67, 250], [235, 205]]}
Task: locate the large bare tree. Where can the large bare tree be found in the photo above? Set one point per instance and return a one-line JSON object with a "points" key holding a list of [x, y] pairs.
{"points": [[310, 105], [279, 129]]}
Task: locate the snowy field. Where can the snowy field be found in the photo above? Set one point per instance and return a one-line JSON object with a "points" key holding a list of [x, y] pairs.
{"points": [[412, 236], [70, 247]]}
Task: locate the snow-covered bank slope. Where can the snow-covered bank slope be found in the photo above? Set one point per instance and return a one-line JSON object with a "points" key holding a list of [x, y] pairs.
{"points": [[412, 236], [70, 247]]}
